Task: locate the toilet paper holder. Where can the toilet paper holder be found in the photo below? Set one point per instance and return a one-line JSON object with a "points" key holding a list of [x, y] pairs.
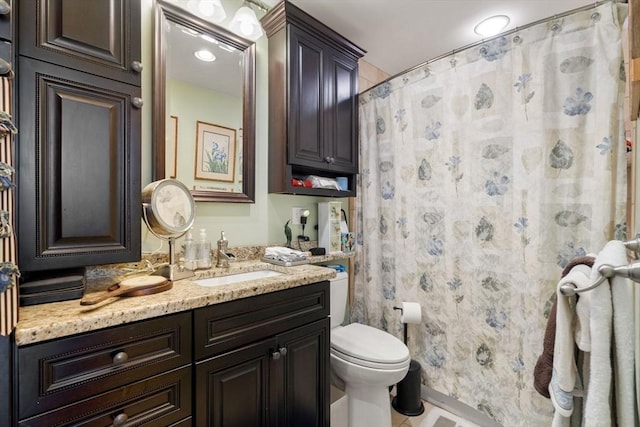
{"points": [[404, 324], [407, 318]]}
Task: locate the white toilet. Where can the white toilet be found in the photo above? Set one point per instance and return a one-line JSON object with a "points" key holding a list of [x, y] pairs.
{"points": [[366, 359]]}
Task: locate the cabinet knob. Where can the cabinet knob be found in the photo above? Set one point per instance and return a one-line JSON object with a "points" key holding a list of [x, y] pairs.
{"points": [[275, 355], [283, 351], [120, 419], [137, 102], [120, 358], [136, 66], [329, 159]]}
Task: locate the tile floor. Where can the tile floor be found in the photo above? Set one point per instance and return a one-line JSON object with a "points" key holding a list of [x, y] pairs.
{"points": [[400, 420], [438, 418]]}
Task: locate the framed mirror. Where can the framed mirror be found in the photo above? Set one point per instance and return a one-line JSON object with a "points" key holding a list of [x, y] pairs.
{"points": [[203, 110]]}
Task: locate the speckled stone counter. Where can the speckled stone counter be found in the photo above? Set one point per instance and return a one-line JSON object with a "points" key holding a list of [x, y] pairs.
{"points": [[47, 321]]}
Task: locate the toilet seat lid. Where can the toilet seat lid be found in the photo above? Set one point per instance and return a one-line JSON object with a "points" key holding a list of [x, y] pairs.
{"points": [[368, 343]]}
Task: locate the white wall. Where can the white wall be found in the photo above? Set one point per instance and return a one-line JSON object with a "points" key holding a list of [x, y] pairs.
{"points": [[258, 223]]}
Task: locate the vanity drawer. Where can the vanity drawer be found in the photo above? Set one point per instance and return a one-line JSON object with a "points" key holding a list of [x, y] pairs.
{"points": [[159, 401], [63, 371], [222, 327]]}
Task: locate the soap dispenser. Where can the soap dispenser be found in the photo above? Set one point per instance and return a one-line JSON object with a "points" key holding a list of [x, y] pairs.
{"points": [[189, 251], [203, 250]]}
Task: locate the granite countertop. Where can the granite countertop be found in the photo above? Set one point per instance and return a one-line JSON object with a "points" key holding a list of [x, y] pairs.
{"points": [[54, 320]]}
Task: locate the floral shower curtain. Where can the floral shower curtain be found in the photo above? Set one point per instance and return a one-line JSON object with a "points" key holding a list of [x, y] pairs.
{"points": [[482, 175]]}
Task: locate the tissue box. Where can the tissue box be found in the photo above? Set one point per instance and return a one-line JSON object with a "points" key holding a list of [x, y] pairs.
{"points": [[348, 242]]}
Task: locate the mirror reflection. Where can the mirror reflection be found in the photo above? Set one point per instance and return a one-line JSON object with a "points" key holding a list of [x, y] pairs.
{"points": [[204, 107]]}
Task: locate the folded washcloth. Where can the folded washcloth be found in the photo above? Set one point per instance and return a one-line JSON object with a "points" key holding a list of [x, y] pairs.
{"points": [[280, 253]]}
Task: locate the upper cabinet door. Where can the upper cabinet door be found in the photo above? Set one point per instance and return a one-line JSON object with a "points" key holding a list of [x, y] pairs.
{"points": [[341, 113], [307, 100], [79, 176], [93, 36], [79, 115]]}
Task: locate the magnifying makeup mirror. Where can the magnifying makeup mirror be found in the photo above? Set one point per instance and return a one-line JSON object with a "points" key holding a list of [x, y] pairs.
{"points": [[169, 211]]}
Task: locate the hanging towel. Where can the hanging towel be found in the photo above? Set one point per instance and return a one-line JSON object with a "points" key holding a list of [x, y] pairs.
{"points": [[597, 410], [544, 365], [564, 375], [623, 350]]}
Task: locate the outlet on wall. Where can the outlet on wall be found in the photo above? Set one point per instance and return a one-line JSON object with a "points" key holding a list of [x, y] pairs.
{"points": [[296, 213]]}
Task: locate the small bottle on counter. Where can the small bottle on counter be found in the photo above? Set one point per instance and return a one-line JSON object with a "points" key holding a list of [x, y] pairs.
{"points": [[203, 250], [189, 251]]}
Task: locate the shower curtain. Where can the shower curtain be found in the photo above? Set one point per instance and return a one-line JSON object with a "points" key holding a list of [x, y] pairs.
{"points": [[482, 175]]}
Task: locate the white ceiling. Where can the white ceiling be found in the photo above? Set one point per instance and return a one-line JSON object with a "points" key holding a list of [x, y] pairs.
{"points": [[400, 34]]}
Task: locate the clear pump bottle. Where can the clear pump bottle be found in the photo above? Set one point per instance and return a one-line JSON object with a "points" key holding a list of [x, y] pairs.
{"points": [[189, 251], [203, 250]]}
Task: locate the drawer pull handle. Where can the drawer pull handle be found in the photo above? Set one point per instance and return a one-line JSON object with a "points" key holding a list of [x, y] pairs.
{"points": [[120, 358], [136, 66], [137, 102], [120, 419]]}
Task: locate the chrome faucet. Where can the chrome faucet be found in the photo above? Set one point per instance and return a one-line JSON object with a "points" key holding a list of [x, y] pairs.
{"points": [[222, 257]]}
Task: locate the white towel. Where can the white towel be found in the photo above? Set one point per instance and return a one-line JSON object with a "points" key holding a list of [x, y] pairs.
{"points": [[563, 379], [597, 410], [624, 351]]}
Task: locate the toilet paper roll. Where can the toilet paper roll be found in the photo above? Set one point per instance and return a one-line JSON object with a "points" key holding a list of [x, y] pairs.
{"points": [[411, 312]]}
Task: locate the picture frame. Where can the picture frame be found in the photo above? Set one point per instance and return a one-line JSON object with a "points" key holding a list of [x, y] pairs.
{"points": [[215, 152], [172, 147]]}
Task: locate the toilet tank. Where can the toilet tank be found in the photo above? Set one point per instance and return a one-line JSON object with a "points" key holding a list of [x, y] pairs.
{"points": [[339, 299]]}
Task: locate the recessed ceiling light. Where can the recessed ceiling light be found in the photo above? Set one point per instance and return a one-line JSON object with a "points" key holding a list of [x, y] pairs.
{"points": [[204, 55], [492, 25]]}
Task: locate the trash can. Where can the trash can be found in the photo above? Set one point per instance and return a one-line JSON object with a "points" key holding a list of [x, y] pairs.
{"points": [[407, 400]]}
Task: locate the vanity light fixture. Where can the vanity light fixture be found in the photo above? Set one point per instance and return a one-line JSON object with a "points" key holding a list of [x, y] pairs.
{"points": [[204, 55], [245, 24], [208, 9], [492, 25]]}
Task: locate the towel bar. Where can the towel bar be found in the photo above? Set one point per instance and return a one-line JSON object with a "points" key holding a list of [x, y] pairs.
{"points": [[631, 271]]}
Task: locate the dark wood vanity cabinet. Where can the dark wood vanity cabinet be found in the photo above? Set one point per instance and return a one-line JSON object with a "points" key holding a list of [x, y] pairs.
{"points": [[136, 374], [313, 87], [79, 116], [264, 361]]}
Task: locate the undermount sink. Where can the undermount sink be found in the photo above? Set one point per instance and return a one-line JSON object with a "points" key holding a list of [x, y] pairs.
{"points": [[237, 278]]}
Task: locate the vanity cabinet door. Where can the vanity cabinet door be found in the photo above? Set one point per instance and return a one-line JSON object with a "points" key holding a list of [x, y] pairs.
{"points": [[263, 361], [303, 398], [234, 389]]}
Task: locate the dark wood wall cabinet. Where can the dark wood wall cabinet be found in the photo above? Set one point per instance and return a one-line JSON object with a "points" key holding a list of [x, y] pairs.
{"points": [[79, 115], [259, 361], [313, 110]]}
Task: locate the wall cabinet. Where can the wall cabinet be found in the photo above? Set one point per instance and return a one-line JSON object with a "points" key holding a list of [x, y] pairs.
{"points": [[137, 374], [264, 361], [313, 87], [79, 117]]}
